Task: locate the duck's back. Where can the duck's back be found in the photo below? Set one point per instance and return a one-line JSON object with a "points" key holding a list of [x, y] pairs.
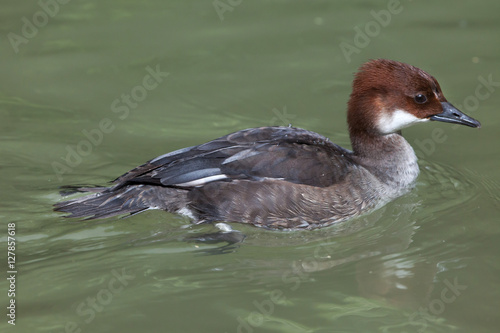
{"points": [[278, 153]]}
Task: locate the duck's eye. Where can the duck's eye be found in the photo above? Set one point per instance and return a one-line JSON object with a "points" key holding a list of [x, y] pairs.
{"points": [[420, 98]]}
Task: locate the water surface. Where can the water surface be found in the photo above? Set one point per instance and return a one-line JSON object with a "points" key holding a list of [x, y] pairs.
{"points": [[77, 107]]}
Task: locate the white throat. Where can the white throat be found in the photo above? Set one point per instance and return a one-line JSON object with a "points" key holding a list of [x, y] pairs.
{"points": [[392, 122]]}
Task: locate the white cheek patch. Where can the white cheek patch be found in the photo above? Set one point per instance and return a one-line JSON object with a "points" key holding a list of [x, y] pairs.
{"points": [[398, 119]]}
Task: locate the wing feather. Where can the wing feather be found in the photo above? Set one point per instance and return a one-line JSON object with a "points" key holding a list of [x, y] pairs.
{"points": [[286, 153]]}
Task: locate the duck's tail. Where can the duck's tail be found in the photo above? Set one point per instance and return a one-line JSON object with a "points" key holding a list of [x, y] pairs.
{"points": [[132, 199]]}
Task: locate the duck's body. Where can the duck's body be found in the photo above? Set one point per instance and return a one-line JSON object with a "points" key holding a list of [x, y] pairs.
{"points": [[285, 177]]}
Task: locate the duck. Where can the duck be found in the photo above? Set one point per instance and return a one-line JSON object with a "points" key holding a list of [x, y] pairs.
{"points": [[286, 177]]}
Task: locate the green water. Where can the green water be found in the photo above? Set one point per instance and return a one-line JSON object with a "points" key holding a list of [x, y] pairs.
{"points": [[427, 262]]}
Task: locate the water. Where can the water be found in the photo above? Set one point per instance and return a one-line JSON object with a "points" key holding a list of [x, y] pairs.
{"points": [[427, 262]]}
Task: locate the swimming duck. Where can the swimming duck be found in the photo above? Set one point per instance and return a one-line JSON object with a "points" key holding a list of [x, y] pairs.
{"points": [[286, 177]]}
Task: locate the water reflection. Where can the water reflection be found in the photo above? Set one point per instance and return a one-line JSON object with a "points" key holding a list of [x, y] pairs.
{"points": [[393, 269]]}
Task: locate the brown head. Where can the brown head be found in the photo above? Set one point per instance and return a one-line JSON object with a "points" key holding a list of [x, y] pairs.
{"points": [[388, 95]]}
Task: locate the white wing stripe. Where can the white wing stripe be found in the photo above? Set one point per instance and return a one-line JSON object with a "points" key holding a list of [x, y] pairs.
{"points": [[241, 155], [202, 181]]}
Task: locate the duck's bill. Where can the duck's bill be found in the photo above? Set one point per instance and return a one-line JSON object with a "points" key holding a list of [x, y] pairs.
{"points": [[451, 114]]}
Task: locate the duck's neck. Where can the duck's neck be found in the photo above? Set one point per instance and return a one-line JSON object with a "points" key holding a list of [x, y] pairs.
{"points": [[389, 157]]}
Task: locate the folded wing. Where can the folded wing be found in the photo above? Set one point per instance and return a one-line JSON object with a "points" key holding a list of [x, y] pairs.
{"points": [[285, 153]]}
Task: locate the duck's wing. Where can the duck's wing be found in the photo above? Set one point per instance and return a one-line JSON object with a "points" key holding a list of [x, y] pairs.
{"points": [[285, 153]]}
